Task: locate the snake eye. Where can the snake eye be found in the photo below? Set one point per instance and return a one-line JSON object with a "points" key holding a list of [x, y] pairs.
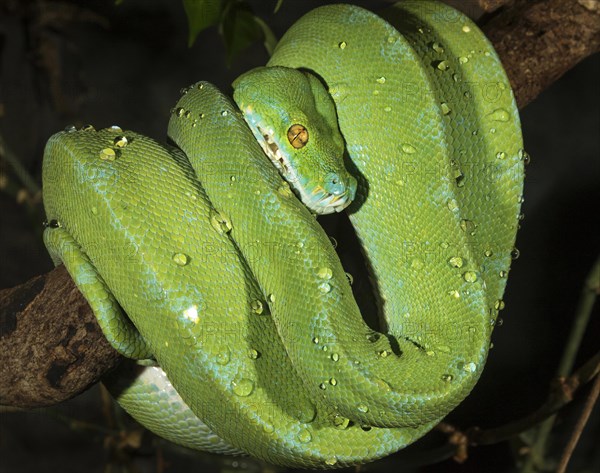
{"points": [[298, 136]]}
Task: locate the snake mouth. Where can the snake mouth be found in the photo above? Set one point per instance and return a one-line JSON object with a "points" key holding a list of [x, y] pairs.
{"points": [[314, 196]]}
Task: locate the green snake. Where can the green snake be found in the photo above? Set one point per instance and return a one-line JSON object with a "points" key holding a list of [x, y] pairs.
{"points": [[204, 258]]}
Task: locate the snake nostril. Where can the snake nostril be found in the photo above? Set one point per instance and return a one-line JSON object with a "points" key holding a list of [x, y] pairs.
{"points": [[334, 184]]}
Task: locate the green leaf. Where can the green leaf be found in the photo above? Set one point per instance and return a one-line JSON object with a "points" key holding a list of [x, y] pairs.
{"points": [[269, 38], [239, 28], [201, 14], [278, 6]]}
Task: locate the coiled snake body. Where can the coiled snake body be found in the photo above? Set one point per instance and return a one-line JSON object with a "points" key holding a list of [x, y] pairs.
{"points": [[232, 288]]}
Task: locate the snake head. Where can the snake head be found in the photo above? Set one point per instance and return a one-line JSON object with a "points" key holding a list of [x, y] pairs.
{"points": [[293, 118]]}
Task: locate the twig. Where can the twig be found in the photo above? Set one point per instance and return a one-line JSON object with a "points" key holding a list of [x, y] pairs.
{"points": [[560, 395], [589, 293], [18, 168], [585, 415]]}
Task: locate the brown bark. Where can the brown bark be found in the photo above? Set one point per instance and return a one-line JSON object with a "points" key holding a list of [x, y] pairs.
{"points": [[51, 347], [491, 5], [539, 40]]}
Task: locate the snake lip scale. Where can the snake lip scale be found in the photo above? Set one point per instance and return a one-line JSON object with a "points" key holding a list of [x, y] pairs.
{"points": [[314, 196]]}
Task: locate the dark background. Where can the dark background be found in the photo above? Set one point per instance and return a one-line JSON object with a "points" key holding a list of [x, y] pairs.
{"points": [[125, 65]]}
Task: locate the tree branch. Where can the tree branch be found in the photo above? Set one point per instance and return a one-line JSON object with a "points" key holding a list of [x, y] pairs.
{"points": [[51, 348], [539, 40]]}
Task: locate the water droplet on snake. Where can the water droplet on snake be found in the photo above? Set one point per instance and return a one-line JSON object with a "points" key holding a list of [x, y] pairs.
{"points": [[108, 154], [468, 226], [442, 65], [342, 45], [515, 253], [524, 156], [408, 149], [335, 356], [500, 155], [325, 273], [456, 262], [253, 354], [242, 387], [324, 288], [437, 47], [223, 357], [362, 408], [181, 259], [500, 115], [499, 304], [381, 80], [257, 306], [463, 59], [220, 222], [466, 29], [470, 276], [304, 436], [121, 141], [452, 205], [460, 179], [445, 108], [341, 422]]}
